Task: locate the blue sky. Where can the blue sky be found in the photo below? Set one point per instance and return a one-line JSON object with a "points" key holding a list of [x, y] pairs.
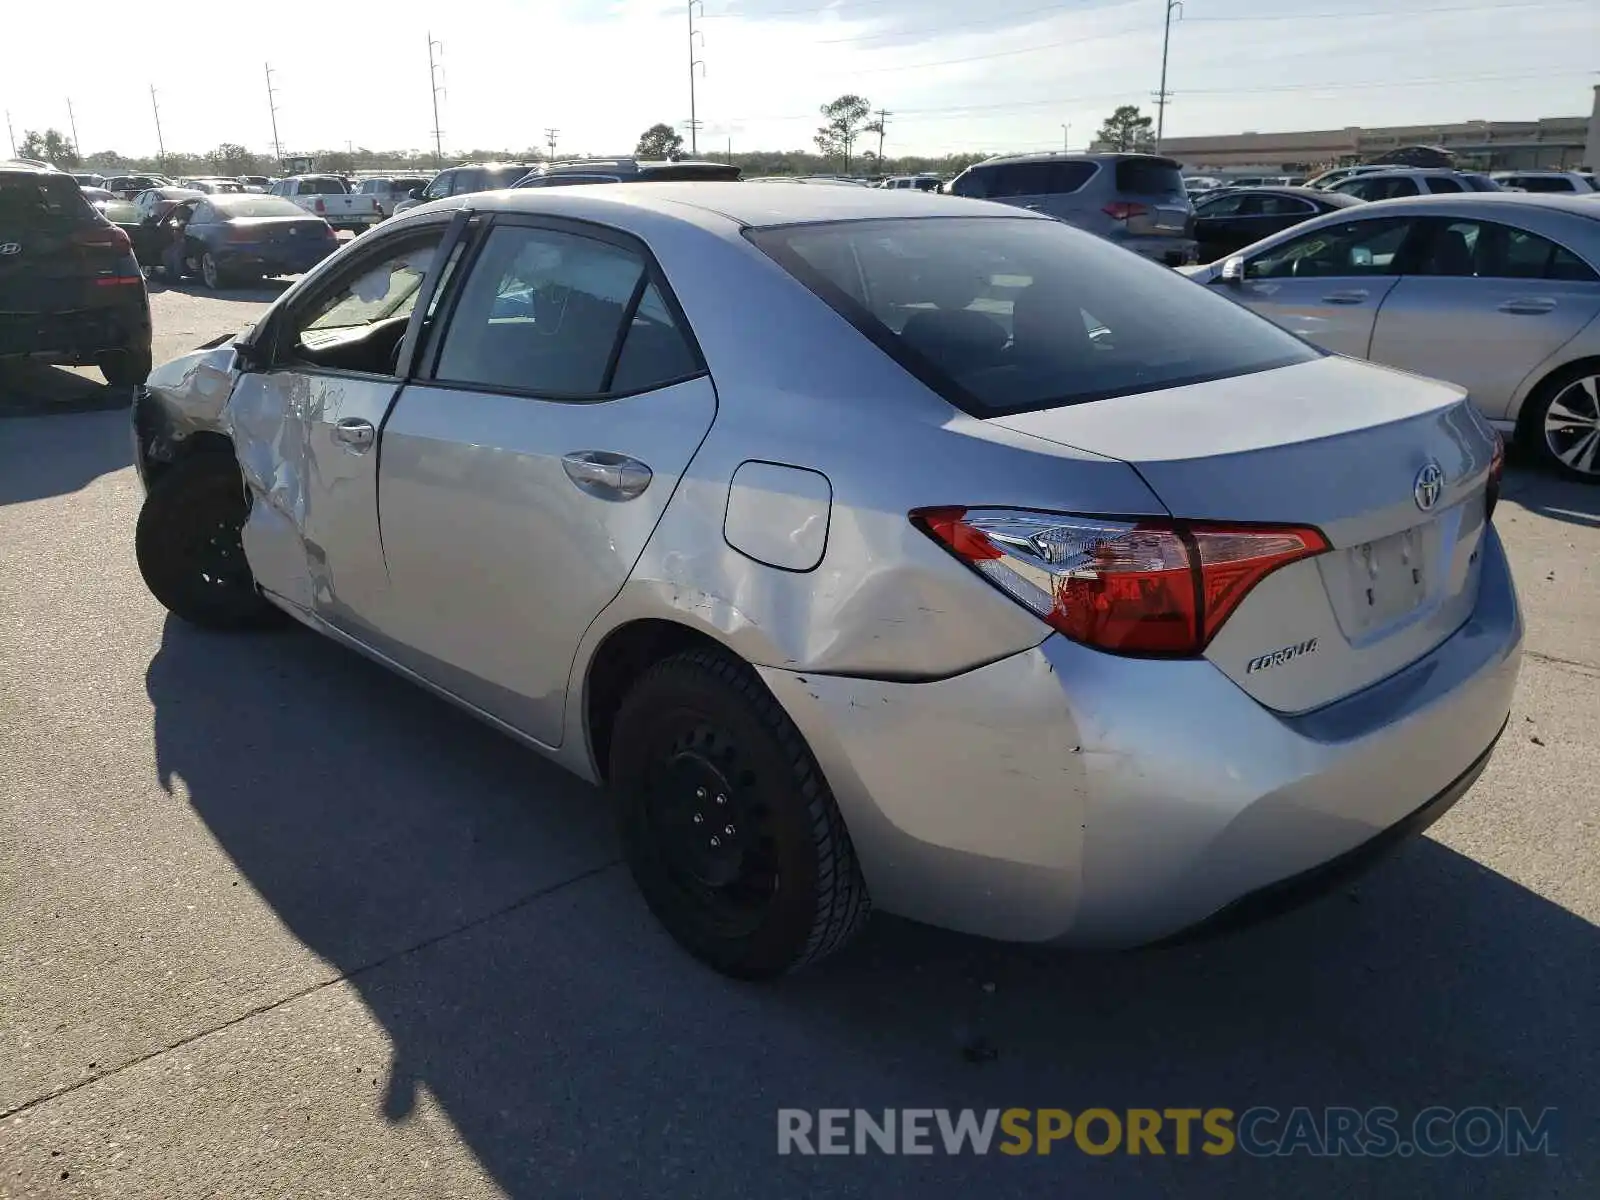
{"points": [[959, 76]]}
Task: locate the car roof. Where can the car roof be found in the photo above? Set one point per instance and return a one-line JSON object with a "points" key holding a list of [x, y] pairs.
{"points": [[1339, 199], [1083, 155], [1569, 202], [753, 205]]}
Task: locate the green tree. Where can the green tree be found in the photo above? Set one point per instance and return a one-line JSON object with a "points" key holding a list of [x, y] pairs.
{"points": [[659, 141], [1126, 129], [105, 161], [52, 146], [845, 121], [230, 158]]}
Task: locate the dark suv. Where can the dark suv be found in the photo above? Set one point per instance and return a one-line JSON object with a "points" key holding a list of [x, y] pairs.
{"points": [[1135, 200], [70, 289], [459, 181]]}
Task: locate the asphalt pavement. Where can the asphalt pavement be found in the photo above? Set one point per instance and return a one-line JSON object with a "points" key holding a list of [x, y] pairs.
{"points": [[274, 923]]}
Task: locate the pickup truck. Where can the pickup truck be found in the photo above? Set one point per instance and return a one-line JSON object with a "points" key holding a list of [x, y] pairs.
{"points": [[330, 198]]}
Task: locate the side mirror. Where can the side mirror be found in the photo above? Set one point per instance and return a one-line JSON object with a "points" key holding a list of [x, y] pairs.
{"points": [[1233, 271], [249, 354], [415, 193]]}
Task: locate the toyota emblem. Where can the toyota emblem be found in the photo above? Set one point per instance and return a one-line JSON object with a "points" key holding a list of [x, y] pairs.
{"points": [[1429, 486], [10, 247]]}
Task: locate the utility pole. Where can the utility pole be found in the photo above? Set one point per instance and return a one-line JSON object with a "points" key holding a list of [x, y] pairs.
{"points": [[434, 70], [72, 121], [1066, 137], [694, 123], [730, 151], [883, 120], [550, 136], [161, 145], [11, 134], [1163, 95], [272, 111]]}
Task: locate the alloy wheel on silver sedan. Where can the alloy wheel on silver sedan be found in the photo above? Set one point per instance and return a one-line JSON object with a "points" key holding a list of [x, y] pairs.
{"points": [[1572, 427]]}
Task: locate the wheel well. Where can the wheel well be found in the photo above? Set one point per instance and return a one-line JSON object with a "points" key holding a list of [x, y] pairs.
{"points": [[206, 441], [627, 653], [1536, 392]]}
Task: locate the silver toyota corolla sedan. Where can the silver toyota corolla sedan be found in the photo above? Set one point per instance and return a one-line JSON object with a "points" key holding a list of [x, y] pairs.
{"points": [[942, 555], [1497, 292]]}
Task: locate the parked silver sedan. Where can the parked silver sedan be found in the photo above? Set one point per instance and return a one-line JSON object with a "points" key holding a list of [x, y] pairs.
{"points": [[1499, 293], [861, 547]]}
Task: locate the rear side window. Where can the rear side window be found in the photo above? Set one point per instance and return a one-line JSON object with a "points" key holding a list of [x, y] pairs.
{"points": [[1443, 183], [559, 315], [1007, 315], [1149, 177], [1038, 178], [29, 200]]}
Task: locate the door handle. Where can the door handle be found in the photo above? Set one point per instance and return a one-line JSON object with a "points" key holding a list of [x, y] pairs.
{"points": [[605, 475], [1354, 296], [357, 434], [1530, 306]]}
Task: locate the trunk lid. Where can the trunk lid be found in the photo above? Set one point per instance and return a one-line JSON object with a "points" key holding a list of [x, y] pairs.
{"points": [[1341, 445], [278, 231]]}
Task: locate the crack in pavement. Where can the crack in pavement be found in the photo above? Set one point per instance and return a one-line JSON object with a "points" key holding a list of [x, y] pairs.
{"points": [[385, 960], [1583, 667]]}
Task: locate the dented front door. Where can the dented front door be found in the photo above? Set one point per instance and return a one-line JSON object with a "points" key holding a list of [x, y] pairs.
{"points": [[305, 429], [307, 442]]}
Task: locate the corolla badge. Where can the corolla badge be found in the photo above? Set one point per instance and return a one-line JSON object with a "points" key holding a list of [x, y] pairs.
{"points": [[1429, 486], [10, 247]]}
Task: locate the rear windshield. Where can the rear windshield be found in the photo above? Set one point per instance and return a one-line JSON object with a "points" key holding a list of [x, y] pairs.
{"points": [[323, 186], [38, 199], [1003, 315], [248, 204], [1149, 177], [495, 178]]}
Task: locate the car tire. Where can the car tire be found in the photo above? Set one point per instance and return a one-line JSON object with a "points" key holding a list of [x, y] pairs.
{"points": [[211, 273], [1561, 422], [126, 368], [187, 543], [726, 822]]}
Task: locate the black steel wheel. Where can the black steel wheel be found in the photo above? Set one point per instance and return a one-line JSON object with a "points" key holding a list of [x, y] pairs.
{"points": [[188, 546], [727, 824]]}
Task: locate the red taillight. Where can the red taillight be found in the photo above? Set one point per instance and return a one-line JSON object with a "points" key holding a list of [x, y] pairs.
{"points": [[1132, 587], [108, 236], [1121, 210], [320, 206], [1497, 468]]}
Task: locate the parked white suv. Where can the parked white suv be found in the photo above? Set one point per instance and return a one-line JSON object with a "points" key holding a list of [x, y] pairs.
{"points": [[1547, 181], [1414, 181]]}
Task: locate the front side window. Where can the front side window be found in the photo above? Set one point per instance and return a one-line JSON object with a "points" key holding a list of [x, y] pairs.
{"points": [[440, 186], [1443, 183], [1354, 248], [377, 292], [1006, 315], [556, 314]]}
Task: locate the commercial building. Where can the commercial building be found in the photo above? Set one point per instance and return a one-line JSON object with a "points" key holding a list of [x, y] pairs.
{"points": [[1550, 142]]}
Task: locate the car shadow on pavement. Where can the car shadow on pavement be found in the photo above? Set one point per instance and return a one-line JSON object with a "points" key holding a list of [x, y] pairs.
{"points": [[57, 456], [30, 388], [469, 891], [1551, 495]]}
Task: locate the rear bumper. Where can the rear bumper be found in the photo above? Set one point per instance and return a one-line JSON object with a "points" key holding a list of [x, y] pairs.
{"points": [[1067, 795], [1169, 251], [273, 260], [77, 337]]}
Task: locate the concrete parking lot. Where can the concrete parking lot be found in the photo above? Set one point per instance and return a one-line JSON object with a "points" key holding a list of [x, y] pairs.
{"points": [[273, 923]]}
